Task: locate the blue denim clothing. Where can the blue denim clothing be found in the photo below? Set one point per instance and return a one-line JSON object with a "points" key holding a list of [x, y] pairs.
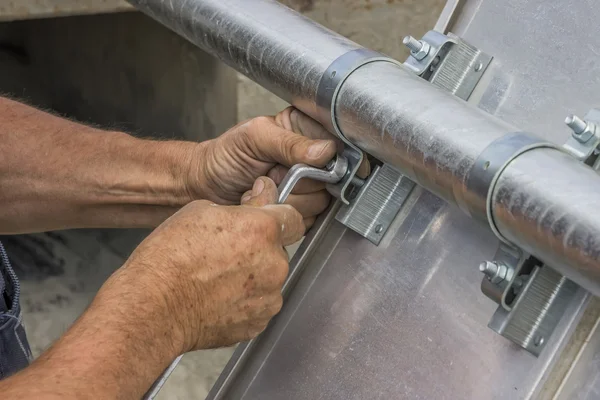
{"points": [[15, 353]]}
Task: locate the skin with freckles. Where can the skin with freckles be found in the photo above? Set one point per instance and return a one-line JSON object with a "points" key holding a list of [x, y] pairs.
{"points": [[209, 275]]}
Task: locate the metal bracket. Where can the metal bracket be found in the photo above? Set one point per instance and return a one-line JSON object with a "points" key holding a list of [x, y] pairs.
{"points": [[438, 44], [500, 274], [342, 188], [532, 297], [376, 204], [536, 310], [447, 62], [327, 92]]}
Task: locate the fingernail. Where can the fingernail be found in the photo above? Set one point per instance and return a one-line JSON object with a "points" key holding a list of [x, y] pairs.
{"points": [[315, 150], [258, 187], [246, 198]]}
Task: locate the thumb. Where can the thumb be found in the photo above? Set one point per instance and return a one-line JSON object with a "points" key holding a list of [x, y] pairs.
{"points": [[288, 148], [264, 191]]}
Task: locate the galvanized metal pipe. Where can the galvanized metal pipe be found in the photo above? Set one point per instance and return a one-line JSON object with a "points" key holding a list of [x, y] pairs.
{"points": [[433, 137], [546, 200]]}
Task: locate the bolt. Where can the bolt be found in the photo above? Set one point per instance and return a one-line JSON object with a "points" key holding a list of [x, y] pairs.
{"points": [[518, 284], [583, 131], [496, 272], [478, 67], [489, 268], [576, 124], [413, 44], [356, 181], [352, 194], [538, 341], [419, 49], [379, 228]]}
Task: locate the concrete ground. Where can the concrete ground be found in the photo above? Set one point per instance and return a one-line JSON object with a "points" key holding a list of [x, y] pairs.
{"points": [[55, 292]]}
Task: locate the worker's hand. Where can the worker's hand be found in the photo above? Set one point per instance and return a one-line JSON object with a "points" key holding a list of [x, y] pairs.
{"points": [[211, 274], [227, 166]]}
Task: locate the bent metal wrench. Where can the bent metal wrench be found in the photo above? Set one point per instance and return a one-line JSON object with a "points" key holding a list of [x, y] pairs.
{"points": [[334, 172]]}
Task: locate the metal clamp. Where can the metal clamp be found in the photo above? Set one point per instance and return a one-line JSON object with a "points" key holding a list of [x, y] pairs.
{"points": [[334, 172], [448, 62], [504, 275], [536, 310], [437, 47], [327, 92], [488, 167], [532, 297], [376, 204]]}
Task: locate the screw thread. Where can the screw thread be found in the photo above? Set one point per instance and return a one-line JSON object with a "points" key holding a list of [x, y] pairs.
{"points": [[413, 44], [576, 124], [488, 268]]}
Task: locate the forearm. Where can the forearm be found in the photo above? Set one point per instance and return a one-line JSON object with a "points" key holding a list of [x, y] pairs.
{"points": [[58, 174], [116, 349]]}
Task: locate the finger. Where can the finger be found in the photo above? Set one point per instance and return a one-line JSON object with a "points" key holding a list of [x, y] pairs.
{"points": [[365, 168], [309, 222], [296, 121], [310, 205], [264, 191], [246, 197], [291, 221], [305, 185], [273, 143]]}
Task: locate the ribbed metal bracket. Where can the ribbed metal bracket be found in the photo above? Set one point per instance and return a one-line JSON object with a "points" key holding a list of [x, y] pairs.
{"points": [[532, 297], [461, 69], [536, 311], [376, 204], [448, 62]]}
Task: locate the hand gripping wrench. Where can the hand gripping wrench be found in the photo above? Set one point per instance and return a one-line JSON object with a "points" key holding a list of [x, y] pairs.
{"points": [[334, 172]]}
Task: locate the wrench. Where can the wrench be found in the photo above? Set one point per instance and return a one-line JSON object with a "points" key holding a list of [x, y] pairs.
{"points": [[335, 170]]}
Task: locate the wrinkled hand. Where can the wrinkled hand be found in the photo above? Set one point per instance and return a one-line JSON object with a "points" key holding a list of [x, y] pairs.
{"points": [[227, 166], [214, 273]]}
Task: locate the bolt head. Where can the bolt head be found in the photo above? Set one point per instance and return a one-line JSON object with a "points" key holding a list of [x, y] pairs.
{"points": [[582, 130], [419, 49]]}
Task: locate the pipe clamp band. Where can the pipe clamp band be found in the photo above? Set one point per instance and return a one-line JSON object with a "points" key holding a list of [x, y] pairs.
{"points": [[329, 87], [333, 79], [488, 167]]}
